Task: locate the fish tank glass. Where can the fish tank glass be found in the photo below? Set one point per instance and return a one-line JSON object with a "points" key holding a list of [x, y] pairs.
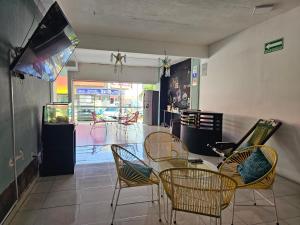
{"points": [[58, 113]]}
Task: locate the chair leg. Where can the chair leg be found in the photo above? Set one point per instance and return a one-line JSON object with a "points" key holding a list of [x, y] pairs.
{"points": [[136, 126], [174, 217], [171, 217], [277, 223], [112, 200], [152, 193], [254, 199], [92, 128], [162, 191], [158, 195], [114, 213], [233, 209]]}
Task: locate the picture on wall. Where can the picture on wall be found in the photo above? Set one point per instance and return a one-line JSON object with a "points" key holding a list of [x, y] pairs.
{"points": [[179, 85]]}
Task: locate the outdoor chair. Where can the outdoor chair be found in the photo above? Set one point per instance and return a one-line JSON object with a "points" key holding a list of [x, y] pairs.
{"points": [[96, 121], [131, 121], [197, 191], [259, 134], [132, 172], [230, 168]]}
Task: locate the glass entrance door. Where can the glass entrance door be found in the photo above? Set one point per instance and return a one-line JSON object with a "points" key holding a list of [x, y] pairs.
{"points": [[106, 99]]}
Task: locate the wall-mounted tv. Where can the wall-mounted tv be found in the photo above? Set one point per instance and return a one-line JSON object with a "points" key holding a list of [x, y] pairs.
{"points": [[49, 48]]}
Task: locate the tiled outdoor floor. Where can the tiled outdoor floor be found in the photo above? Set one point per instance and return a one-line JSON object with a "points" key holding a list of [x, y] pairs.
{"points": [[84, 199]]}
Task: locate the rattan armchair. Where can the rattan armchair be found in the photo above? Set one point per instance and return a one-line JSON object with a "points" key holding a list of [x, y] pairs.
{"points": [[160, 146], [229, 168], [130, 176], [197, 191]]}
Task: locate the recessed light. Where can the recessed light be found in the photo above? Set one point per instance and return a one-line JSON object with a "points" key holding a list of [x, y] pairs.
{"points": [[262, 9]]}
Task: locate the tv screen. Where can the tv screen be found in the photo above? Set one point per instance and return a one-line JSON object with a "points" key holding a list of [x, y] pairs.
{"points": [[49, 48]]}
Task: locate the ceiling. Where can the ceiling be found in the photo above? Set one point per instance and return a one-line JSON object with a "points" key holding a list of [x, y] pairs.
{"points": [[197, 22], [132, 59]]}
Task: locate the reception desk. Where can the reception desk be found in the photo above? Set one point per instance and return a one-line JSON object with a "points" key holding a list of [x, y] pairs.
{"points": [[168, 116], [199, 129]]}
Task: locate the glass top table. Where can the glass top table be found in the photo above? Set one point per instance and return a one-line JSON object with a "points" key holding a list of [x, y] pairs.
{"points": [[172, 163]]}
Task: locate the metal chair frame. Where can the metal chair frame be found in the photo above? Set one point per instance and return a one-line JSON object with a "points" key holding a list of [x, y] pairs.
{"points": [[228, 167], [138, 180], [129, 121], [197, 191], [97, 121]]}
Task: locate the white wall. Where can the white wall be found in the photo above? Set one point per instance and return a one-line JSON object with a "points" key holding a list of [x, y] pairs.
{"points": [[98, 72], [246, 84]]}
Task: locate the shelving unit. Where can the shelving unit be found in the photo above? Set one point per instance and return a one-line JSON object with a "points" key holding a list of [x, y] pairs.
{"points": [[199, 129]]}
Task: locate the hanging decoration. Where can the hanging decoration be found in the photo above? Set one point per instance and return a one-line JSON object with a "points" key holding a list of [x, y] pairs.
{"points": [[166, 65], [119, 59]]}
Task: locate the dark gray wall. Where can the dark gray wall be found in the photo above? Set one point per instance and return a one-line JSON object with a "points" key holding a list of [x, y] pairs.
{"points": [[16, 17]]}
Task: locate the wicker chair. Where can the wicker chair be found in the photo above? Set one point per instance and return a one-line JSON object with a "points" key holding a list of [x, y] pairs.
{"points": [[160, 146], [129, 176], [229, 168], [197, 191]]}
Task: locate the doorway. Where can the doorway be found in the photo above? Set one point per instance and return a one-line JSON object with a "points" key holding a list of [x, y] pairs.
{"points": [[107, 99]]}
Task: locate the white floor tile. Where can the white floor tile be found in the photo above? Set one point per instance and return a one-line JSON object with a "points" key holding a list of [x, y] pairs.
{"points": [[62, 198], [96, 195], [25, 218], [34, 201], [42, 187], [95, 213], [293, 221], [95, 182], [66, 183], [66, 215]]}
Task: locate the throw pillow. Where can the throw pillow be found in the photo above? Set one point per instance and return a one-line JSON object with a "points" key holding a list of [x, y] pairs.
{"points": [[136, 171], [254, 167]]}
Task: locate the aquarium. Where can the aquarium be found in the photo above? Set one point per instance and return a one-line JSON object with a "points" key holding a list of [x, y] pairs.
{"points": [[58, 113]]}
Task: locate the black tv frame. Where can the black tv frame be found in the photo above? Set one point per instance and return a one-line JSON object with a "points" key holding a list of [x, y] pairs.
{"points": [[17, 52]]}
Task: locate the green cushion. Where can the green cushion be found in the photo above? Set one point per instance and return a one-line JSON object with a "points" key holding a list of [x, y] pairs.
{"points": [[254, 167], [134, 171]]}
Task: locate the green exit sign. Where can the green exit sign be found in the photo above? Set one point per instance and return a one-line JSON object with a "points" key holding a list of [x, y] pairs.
{"points": [[273, 46]]}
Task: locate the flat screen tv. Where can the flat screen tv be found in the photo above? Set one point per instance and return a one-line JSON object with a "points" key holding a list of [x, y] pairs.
{"points": [[49, 48]]}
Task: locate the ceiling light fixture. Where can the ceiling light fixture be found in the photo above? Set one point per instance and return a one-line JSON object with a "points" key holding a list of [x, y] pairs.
{"points": [[166, 65], [262, 9], [119, 59]]}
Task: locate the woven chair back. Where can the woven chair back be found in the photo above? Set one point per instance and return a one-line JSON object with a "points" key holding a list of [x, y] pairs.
{"points": [[160, 146], [198, 191], [229, 166], [124, 160]]}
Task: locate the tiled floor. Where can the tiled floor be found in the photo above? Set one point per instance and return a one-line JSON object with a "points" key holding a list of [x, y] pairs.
{"points": [[113, 134], [84, 198]]}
